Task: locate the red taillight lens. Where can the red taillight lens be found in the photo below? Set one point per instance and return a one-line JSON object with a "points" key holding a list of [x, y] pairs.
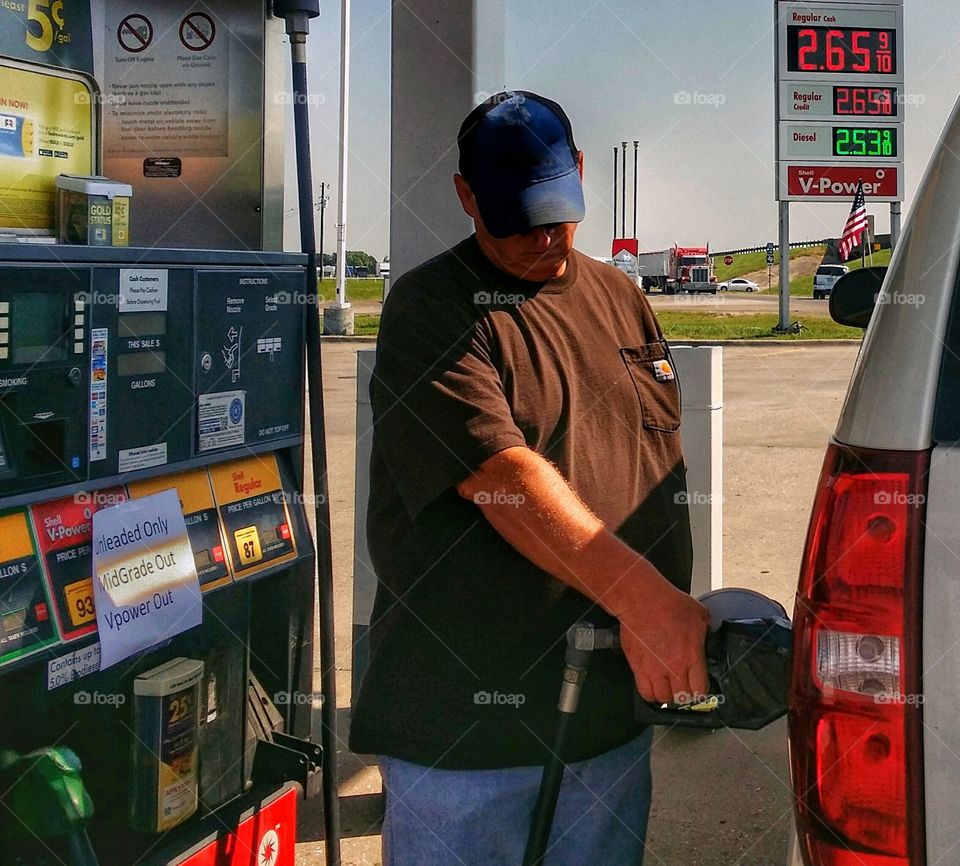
{"points": [[855, 720]]}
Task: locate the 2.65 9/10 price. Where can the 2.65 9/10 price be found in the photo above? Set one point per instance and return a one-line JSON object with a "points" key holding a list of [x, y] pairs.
{"points": [[865, 101]]}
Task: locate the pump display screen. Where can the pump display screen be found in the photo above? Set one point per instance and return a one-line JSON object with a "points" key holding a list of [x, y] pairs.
{"points": [[141, 363], [841, 50], [37, 328], [142, 324]]}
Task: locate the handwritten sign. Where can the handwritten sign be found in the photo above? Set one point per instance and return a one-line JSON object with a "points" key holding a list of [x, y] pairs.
{"points": [[145, 580]]}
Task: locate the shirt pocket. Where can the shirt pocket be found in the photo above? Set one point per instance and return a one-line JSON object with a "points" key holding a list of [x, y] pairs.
{"points": [[655, 379]]}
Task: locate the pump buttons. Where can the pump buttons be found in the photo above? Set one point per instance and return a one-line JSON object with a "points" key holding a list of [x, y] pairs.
{"points": [[206, 362], [75, 376]]}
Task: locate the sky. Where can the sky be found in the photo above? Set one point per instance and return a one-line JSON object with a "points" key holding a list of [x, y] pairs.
{"points": [[617, 66]]}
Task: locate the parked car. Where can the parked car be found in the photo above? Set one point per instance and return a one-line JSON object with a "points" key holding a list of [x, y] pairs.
{"points": [[825, 278], [739, 284], [874, 719]]}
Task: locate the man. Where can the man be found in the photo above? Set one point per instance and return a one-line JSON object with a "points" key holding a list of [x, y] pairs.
{"points": [[525, 476]]}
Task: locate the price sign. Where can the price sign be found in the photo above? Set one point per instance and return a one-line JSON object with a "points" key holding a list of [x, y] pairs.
{"points": [[840, 95], [840, 142], [55, 32], [841, 50], [80, 602], [248, 545]]}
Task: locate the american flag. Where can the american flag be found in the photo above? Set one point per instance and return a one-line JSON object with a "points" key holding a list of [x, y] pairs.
{"points": [[856, 224]]}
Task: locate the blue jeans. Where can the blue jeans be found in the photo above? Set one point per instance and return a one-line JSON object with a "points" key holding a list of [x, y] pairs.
{"points": [[482, 817]]}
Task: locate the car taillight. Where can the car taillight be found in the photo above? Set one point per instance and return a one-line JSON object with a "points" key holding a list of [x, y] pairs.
{"points": [[855, 697]]}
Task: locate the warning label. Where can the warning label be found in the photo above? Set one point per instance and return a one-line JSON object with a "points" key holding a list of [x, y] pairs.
{"points": [[166, 82]]}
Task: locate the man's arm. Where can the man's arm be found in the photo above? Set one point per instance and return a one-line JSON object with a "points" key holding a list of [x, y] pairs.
{"points": [[662, 629]]}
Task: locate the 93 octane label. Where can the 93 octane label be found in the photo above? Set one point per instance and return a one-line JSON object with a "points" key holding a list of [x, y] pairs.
{"points": [[80, 602], [248, 545]]}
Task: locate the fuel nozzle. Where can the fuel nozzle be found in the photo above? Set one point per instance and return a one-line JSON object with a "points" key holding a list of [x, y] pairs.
{"points": [[49, 800]]}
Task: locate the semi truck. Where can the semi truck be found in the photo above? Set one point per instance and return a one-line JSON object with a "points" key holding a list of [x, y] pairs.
{"points": [[677, 269]]}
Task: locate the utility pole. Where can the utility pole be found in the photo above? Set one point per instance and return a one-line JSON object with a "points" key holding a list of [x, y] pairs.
{"points": [[323, 208]]}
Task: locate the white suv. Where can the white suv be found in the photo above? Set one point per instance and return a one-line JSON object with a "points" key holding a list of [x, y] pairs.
{"points": [[826, 278], [875, 698]]}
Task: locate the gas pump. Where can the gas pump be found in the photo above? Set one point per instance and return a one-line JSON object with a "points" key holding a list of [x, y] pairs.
{"points": [[128, 372]]}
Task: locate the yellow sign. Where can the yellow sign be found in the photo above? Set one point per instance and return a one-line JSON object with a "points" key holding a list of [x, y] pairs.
{"points": [[253, 509], [248, 545], [80, 602], [203, 522], [46, 129], [193, 489], [15, 540]]}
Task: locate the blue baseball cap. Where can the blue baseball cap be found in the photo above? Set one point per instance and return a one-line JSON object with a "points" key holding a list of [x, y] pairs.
{"points": [[518, 155]]}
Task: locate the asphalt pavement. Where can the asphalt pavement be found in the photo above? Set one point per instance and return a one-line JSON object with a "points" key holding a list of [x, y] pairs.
{"points": [[720, 799]]}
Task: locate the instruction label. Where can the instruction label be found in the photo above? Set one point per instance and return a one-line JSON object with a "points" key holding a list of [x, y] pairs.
{"points": [[143, 289], [145, 581], [130, 459], [221, 419]]}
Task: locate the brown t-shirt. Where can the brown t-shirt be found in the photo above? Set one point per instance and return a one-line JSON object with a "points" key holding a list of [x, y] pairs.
{"points": [[467, 637]]}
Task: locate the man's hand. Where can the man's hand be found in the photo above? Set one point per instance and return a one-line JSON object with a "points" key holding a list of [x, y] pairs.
{"points": [[662, 629], [662, 636]]}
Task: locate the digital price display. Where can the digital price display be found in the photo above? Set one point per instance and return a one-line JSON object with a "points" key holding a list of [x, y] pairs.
{"points": [[842, 50], [859, 141], [865, 101], [840, 99]]}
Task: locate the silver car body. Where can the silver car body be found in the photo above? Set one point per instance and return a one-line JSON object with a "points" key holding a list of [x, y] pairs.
{"points": [[890, 405]]}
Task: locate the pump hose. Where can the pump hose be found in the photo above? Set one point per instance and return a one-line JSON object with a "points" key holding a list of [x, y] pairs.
{"points": [[318, 439]]}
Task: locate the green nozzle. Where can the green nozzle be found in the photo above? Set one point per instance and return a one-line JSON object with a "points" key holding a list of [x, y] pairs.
{"points": [[45, 792]]}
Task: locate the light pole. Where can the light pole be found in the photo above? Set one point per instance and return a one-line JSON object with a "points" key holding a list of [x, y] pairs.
{"points": [[322, 204], [338, 316]]}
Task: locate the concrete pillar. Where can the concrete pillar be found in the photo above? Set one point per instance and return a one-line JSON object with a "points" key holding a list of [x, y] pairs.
{"points": [[364, 578], [700, 371], [446, 55]]}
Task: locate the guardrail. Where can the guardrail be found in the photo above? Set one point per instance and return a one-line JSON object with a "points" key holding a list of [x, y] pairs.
{"points": [[795, 245], [883, 240]]}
